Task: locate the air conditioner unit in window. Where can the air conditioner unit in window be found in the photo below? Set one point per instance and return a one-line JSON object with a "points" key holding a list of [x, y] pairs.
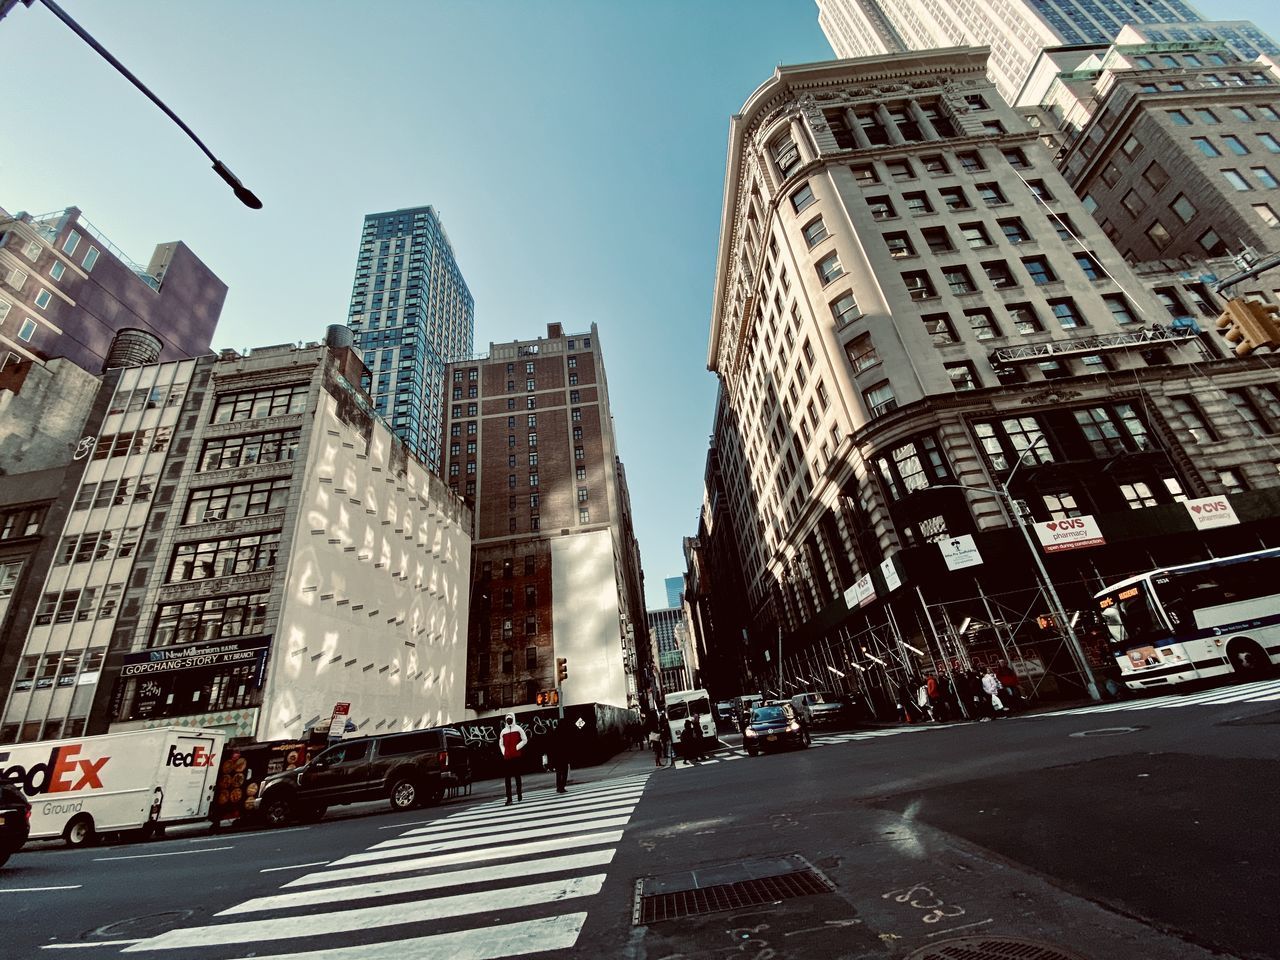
{"points": [[212, 516]]}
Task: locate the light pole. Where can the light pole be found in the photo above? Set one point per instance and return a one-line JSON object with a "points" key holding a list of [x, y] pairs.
{"points": [[1055, 603], [243, 193]]}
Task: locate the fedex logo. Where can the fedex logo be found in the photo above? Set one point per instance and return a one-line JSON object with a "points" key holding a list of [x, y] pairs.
{"points": [[197, 756], [64, 772]]}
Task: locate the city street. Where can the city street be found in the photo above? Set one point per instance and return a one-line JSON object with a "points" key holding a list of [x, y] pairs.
{"points": [[1130, 830]]}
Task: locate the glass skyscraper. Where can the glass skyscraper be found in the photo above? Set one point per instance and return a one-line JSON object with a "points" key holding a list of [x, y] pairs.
{"points": [[411, 313], [1018, 30]]}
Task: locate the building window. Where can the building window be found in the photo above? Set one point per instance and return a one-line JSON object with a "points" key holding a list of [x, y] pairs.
{"points": [[959, 280], [1235, 145], [1013, 440], [209, 619], [982, 323], [580, 473], [1206, 147], [998, 273], [899, 170], [242, 451], [975, 235], [233, 501], [815, 231], [786, 156], [1231, 481], [1193, 420], [1089, 266], [1133, 203], [27, 330], [963, 376], [802, 197], [1138, 494], [991, 194], [574, 396], [1121, 312], [864, 174], [1016, 158], [1066, 313], [862, 353], [937, 240], [1040, 191], [881, 208], [579, 453], [533, 479], [936, 164], [899, 245], [1024, 318], [1265, 177], [917, 203], [1014, 231], [43, 298], [1112, 430], [584, 515], [71, 242], [1183, 208], [1270, 142], [1158, 235], [1234, 178], [228, 557], [953, 198], [1266, 214], [1178, 118], [1060, 505], [829, 268], [255, 404], [879, 399], [970, 162], [1155, 175], [919, 286], [1038, 268], [938, 327], [1249, 412], [1212, 244], [913, 466]]}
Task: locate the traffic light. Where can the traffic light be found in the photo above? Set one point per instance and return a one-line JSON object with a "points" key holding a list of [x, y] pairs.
{"points": [[562, 670], [1250, 325]]}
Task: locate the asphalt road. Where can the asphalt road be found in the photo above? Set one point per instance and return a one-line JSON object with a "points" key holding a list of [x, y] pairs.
{"points": [[1138, 833]]}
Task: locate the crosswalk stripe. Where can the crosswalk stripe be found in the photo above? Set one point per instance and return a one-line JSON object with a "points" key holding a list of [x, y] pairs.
{"points": [[612, 786], [482, 943], [524, 808], [433, 881], [404, 845], [504, 852], [451, 829], [369, 918]]}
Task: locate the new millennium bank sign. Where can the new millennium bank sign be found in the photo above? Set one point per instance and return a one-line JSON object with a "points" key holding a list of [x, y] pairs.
{"points": [[224, 653]]}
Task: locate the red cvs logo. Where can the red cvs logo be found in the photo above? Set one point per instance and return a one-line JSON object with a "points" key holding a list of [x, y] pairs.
{"points": [[1074, 524], [1216, 507]]}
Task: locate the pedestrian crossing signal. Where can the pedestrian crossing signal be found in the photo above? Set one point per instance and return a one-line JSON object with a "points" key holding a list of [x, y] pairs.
{"points": [[548, 698]]}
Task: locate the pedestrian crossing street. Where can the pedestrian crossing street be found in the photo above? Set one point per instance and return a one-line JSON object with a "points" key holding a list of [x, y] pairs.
{"points": [[821, 740], [1260, 691], [486, 882]]}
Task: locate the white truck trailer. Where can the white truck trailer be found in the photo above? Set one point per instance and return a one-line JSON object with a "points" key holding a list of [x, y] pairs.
{"points": [[136, 780]]}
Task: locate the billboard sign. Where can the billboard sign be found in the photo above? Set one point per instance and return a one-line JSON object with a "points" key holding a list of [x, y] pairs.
{"points": [[1069, 533]]}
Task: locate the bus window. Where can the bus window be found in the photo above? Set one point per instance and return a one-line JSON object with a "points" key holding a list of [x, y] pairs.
{"points": [[1131, 617]]}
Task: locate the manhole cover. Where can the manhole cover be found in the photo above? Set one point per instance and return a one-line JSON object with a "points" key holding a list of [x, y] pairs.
{"points": [[992, 948], [728, 886], [1108, 732]]}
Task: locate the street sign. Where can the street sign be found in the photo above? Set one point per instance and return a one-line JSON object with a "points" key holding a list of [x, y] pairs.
{"points": [[890, 573], [580, 723], [1069, 533], [960, 552], [338, 725], [1209, 513], [860, 593]]}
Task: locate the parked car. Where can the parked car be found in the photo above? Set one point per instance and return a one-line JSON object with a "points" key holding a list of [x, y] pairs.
{"points": [[408, 769], [817, 709], [15, 821], [773, 727], [724, 712]]}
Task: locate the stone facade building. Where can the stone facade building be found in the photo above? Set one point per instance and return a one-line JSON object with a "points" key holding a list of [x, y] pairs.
{"points": [[913, 315]]}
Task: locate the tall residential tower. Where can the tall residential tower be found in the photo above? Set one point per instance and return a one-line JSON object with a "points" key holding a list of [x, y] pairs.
{"points": [[411, 313]]}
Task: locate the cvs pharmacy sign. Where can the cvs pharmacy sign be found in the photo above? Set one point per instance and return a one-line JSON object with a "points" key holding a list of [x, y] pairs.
{"points": [[1208, 513], [1070, 533]]}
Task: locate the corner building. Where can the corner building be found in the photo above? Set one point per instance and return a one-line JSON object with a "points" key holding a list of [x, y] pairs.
{"points": [[912, 309], [556, 564]]}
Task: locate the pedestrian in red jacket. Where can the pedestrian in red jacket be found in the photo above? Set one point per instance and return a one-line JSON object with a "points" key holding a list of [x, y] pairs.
{"points": [[513, 740]]}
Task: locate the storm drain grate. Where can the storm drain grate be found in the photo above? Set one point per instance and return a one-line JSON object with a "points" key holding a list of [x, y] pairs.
{"points": [[991, 948], [730, 896]]}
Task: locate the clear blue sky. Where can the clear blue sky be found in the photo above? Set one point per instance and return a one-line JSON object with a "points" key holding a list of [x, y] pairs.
{"points": [[574, 148]]}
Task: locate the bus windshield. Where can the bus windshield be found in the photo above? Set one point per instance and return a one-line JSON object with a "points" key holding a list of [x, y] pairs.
{"points": [[1132, 617]]}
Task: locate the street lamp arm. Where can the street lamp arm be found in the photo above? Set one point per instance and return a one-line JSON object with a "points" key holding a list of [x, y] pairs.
{"points": [[243, 193]]}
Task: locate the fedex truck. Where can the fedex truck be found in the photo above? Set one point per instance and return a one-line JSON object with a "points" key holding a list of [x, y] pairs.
{"points": [[139, 780]]}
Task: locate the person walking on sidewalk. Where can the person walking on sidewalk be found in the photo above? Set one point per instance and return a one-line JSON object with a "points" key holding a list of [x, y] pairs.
{"points": [[991, 687], [657, 746], [513, 739], [561, 750]]}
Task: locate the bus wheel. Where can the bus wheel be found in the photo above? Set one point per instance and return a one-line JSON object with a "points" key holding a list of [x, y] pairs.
{"points": [[80, 832], [1247, 658]]}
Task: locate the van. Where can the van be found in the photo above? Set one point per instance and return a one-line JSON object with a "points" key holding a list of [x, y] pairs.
{"points": [[83, 787], [408, 769], [817, 709]]}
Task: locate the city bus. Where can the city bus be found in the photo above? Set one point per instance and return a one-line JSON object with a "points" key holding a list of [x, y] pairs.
{"points": [[682, 704], [1198, 620]]}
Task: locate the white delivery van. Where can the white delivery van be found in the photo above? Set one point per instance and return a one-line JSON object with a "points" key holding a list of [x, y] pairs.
{"points": [[139, 780]]}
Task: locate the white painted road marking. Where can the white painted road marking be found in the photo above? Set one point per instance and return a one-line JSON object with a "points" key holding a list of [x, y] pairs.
{"points": [[175, 853], [402, 845], [296, 866], [73, 886], [86, 944]]}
